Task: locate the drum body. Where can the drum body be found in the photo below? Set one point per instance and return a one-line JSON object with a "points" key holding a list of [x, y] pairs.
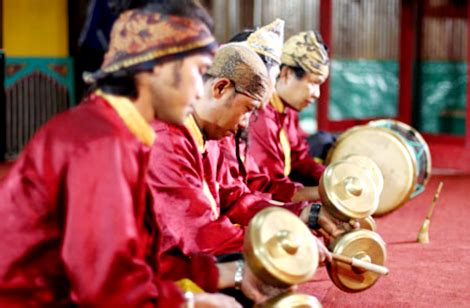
{"points": [[420, 150]]}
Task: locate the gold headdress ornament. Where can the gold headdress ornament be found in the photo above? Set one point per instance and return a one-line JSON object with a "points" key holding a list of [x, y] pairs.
{"points": [[138, 36], [240, 64], [307, 51], [268, 40]]}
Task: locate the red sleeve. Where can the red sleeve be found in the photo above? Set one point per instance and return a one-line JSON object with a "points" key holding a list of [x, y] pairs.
{"points": [[238, 201], [249, 205], [278, 189], [281, 189], [304, 168], [103, 246], [183, 211]]}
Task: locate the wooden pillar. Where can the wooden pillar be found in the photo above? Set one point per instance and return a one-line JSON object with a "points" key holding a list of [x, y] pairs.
{"points": [[3, 105], [326, 17], [407, 53], [467, 118]]}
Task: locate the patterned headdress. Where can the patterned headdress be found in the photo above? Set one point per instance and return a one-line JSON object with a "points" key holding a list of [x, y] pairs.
{"points": [[268, 40], [138, 37], [240, 64], [307, 51]]}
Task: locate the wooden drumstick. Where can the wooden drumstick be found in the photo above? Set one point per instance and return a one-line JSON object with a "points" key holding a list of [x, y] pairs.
{"points": [[423, 235], [371, 267]]}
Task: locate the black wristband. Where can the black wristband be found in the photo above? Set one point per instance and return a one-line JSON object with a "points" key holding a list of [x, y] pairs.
{"points": [[313, 216]]}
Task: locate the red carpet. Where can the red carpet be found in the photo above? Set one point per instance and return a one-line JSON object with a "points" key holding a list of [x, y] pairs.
{"points": [[432, 275]]}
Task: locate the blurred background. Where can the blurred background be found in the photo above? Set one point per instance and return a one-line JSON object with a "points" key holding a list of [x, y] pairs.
{"points": [[402, 59]]}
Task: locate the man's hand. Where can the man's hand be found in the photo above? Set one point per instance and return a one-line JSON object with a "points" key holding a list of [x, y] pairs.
{"points": [[256, 290], [330, 227], [324, 255], [309, 193], [252, 287], [333, 227], [209, 300]]}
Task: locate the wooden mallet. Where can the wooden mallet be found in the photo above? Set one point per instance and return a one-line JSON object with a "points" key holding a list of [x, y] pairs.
{"points": [[423, 235], [371, 267]]}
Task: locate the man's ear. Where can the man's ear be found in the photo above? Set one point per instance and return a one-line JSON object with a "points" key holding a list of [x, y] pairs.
{"points": [[220, 86], [284, 74], [157, 69]]}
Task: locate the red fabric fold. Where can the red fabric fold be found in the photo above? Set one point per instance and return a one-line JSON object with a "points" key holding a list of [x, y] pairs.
{"points": [[75, 222]]}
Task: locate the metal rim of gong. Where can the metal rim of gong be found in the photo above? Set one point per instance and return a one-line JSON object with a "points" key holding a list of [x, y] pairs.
{"points": [[292, 299], [368, 223]]}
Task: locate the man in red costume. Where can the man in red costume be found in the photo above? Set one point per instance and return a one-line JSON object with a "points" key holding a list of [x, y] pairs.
{"points": [[78, 227], [276, 141], [203, 207], [267, 42]]}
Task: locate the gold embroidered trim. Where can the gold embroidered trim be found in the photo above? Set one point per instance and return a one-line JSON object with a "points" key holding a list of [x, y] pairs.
{"points": [[155, 54], [187, 285], [279, 106], [195, 132], [285, 145], [131, 117], [277, 103]]}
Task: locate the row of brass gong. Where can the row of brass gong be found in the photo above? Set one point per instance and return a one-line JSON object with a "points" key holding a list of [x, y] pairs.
{"points": [[371, 169]]}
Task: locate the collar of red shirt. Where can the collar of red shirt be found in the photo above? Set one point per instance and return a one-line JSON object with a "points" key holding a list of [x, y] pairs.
{"points": [[194, 130], [277, 103], [131, 117]]}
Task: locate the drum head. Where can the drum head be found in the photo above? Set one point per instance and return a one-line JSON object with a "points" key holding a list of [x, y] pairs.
{"points": [[392, 155], [420, 149]]}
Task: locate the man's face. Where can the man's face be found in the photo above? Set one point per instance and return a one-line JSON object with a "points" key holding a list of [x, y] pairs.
{"points": [[273, 73], [299, 93], [176, 85], [231, 110]]}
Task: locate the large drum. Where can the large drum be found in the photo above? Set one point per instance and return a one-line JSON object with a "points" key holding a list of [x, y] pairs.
{"points": [[420, 149], [400, 152]]}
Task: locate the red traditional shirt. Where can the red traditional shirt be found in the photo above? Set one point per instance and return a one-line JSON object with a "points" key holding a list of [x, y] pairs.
{"points": [[279, 146], [76, 225], [199, 206]]}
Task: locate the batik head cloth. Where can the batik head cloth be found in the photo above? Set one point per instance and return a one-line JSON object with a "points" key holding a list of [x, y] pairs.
{"points": [[268, 40], [240, 64], [307, 51], [138, 36]]}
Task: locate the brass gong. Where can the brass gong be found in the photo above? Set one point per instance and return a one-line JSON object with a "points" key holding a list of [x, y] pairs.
{"points": [[348, 190], [361, 244], [292, 300], [368, 223], [370, 166], [279, 248], [390, 152]]}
